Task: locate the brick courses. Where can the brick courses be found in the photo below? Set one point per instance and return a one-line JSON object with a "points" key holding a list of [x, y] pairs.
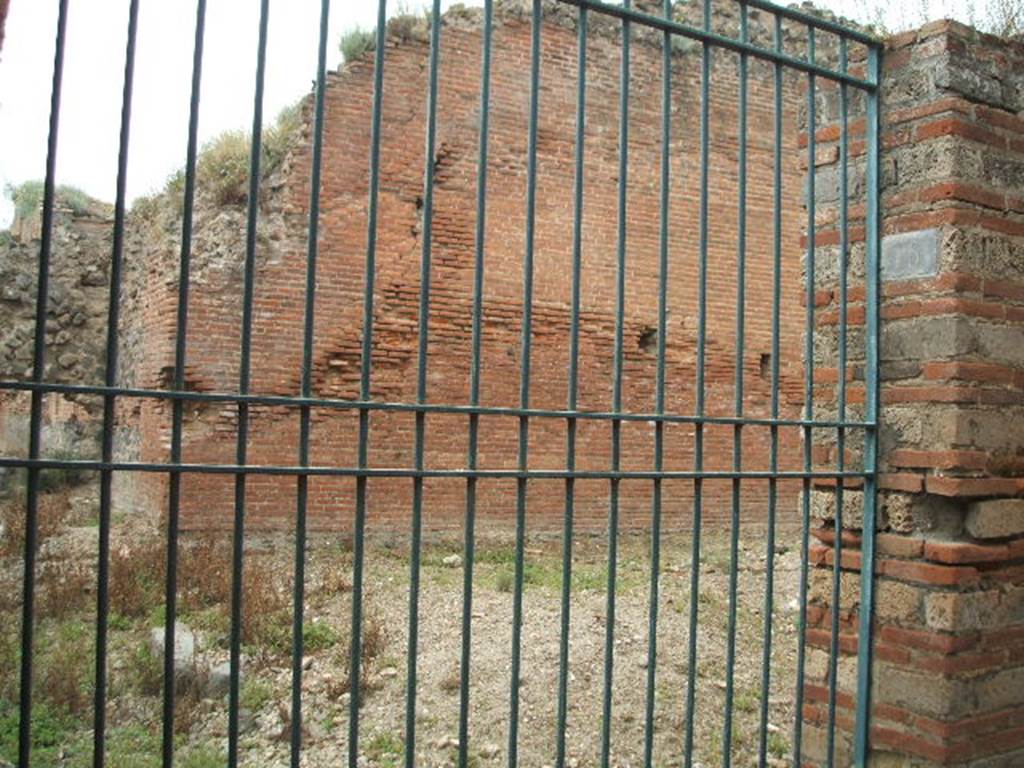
{"points": [[949, 570], [213, 340]]}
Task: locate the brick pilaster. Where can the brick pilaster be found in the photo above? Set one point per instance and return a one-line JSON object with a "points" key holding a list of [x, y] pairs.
{"points": [[949, 613]]}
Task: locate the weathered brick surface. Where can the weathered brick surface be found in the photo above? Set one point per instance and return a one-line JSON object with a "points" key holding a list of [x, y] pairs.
{"points": [[213, 341]]}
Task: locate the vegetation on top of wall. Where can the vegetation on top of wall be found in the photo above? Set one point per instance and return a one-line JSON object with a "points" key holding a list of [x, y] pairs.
{"points": [[28, 198], [1004, 18], [404, 25], [357, 41], [222, 166]]}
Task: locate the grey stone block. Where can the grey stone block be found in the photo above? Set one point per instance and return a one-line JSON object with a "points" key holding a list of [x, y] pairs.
{"points": [[995, 519], [184, 649], [218, 681], [910, 255]]}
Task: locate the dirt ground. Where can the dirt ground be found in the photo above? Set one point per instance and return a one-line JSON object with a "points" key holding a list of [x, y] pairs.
{"points": [[133, 708]]}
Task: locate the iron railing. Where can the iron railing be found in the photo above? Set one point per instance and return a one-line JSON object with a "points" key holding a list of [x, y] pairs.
{"points": [[306, 401]]}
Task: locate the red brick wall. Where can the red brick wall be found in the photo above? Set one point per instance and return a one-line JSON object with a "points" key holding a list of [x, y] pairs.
{"points": [[277, 351]]}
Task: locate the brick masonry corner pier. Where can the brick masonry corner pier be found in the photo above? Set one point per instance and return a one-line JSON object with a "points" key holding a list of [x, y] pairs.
{"points": [[948, 674]]}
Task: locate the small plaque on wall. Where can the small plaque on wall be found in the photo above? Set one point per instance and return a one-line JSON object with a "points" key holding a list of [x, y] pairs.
{"points": [[910, 254]]}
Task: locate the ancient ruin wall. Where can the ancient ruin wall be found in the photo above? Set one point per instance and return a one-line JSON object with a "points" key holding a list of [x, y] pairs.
{"points": [[949, 571], [75, 326], [215, 314]]}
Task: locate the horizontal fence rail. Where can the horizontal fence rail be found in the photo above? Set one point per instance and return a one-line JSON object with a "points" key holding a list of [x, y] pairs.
{"points": [[835, 66]]}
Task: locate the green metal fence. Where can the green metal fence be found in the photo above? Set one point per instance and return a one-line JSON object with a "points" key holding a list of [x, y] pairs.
{"points": [[865, 80]]}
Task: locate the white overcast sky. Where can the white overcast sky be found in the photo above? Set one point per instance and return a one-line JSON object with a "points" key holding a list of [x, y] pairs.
{"points": [[94, 63]]}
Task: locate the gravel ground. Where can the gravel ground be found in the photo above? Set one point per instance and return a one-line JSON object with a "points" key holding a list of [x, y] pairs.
{"points": [[266, 690], [383, 711]]}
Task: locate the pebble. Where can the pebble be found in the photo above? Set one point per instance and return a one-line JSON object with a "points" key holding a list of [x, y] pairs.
{"points": [[246, 721], [218, 681], [489, 751]]}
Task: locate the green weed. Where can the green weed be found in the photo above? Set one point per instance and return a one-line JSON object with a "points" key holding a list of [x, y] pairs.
{"points": [[356, 42], [385, 749]]}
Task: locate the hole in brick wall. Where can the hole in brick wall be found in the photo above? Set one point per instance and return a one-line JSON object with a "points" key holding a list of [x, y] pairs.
{"points": [[765, 366], [443, 159], [648, 340], [417, 226]]}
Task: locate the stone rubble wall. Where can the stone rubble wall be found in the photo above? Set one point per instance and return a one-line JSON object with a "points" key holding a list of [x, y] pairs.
{"points": [[75, 327]]}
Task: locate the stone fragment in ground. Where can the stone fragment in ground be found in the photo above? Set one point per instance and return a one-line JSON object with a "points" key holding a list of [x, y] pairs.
{"points": [[489, 751], [218, 680], [246, 721], [184, 650]]}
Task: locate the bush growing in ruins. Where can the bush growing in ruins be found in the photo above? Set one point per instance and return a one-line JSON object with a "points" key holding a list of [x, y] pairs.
{"points": [[28, 197], [404, 25], [222, 167], [356, 42]]}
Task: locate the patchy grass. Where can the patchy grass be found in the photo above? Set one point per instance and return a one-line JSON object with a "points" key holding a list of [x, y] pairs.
{"points": [[50, 728], [65, 644], [319, 636], [778, 745], [385, 749], [747, 701], [255, 694], [223, 166]]}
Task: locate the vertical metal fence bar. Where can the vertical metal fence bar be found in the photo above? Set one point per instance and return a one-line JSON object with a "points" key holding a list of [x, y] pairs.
{"points": [[773, 457], [421, 388], [474, 384], [244, 379], [36, 407], [627, 18], [302, 481], [737, 437], [872, 293], [808, 433], [573, 385], [109, 405], [177, 413], [365, 371], [616, 447], [659, 387], [524, 383], [841, 393], [698, 453]]}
